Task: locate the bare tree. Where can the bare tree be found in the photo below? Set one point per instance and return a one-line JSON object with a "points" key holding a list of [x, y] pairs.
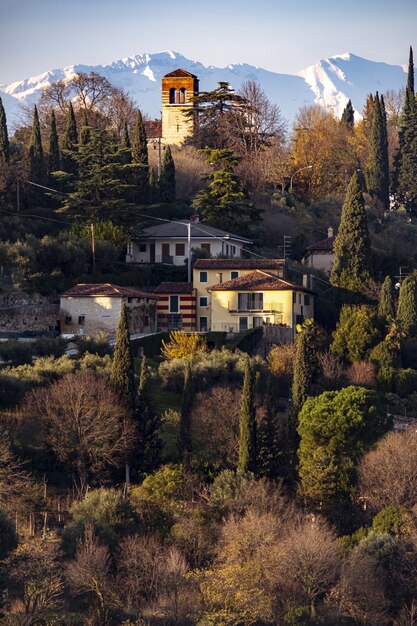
{"points": [[361, 373], [331, 367], [84, 423], [141, 563], [91, 89], [388, 474], [14, 480]]}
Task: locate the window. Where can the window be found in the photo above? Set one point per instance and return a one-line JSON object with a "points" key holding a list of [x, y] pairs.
{"points": [[130, 299], [299, 298], [234, 275], [257, 321], [146, 320], [174, 304], [243, 323], [172, 94], [68, 319], [203, 324], [183, 95], [142, 247], [180, 249], [250, 301], [203, 277], [307, 300], [294, 297], [81, 319], [203, 301], [233, 248], [206, 247]]}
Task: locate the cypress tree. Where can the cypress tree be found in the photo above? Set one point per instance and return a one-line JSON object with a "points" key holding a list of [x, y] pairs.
{"points": [[125, 148], [407, 158], [54, 155], [140, 159], [270, 439], [386, 306], [352, 247], [302, 373], [149, 424], [36, 159], [348, 116], [154, 195], [122, 369], [184, 442], [69, 143], [247, 424], [85, 132], [377, 172], [407, 306], [4, 137], [167, 180]]}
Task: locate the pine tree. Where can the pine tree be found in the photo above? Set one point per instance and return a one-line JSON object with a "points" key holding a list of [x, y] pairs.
{"points": [[247, 424], [36, 158], [4, 137], [125, 148], [386, 306], [85, 132], [140, 159], [149, 424], [377, 171], [407, 158], [348, 116], [352, 248], [54, 163], [184, 441], [154, 195], [69, 143], [122, 369], [167, 179], [407, 306]]}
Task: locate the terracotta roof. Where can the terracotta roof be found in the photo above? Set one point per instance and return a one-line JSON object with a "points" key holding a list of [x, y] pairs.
{"points": [[239, 264], [180, 74], [178, 230], [258, 281], [168, 287], [325, 245], [90, 290]]}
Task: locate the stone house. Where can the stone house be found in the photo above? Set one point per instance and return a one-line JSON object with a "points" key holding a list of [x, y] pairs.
{"points": [[176, 308], [92, 308]]}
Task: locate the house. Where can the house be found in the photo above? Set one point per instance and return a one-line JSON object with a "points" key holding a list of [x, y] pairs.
{"points": [[178, 91], [259, 298], [168, 243], [176, 307], [210, 272], [320, 255], [92, 308]]}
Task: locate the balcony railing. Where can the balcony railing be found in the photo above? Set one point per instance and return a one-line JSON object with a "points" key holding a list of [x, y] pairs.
{"points": [[164, 258], [255, 306]]}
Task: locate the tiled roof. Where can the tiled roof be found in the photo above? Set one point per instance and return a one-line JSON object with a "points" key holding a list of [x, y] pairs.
{"points": [[168, 287], [178, 230], [325, 245], [258, 281], [90, 290], [239, 264], [180, 74]]}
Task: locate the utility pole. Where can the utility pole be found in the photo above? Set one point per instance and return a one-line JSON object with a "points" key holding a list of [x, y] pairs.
{"points": [[287, 246], [93, 248], [189, 251]]}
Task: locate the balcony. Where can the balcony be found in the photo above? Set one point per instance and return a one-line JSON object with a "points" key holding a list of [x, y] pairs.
{"points": [[255, 306]]}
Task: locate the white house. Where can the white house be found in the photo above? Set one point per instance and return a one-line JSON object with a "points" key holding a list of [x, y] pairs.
{"points": [[168, 243]]}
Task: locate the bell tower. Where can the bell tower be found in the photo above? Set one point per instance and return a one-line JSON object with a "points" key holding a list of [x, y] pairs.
{"points": [[178, 90]]}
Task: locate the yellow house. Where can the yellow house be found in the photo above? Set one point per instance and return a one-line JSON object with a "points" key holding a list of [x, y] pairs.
{"points": [[210, 272], [259, 298]]}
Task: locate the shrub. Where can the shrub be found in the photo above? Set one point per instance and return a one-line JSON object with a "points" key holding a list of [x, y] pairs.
{"points": [[16, 352], [99, 364], [182, 345], [361, 373], [94, 345], [406, 382], [386, 358], [393, 520], [409, 353], [331, 368], [356, 333], [8, 537], [247, 341], [49, 346]]}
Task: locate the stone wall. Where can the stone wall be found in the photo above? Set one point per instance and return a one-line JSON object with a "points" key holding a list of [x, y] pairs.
{"points": [[32, 313]]}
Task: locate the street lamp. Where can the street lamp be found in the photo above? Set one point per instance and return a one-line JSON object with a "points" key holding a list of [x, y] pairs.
{"points": [[307, 167]]}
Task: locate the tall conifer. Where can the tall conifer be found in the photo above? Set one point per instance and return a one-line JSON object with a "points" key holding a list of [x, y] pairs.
{"points": [[140, 159], [122, 370], [407, 158], [377, 172], [36, 158], [4, 137], [85, 132], [167, 179], [386, 305], [125, 148], [271, 436], [54, 155], [302, 373], [348, 116], [407, 306], [69, 143], [184, 442], [149, 444], [247, 424], [352, 248]]}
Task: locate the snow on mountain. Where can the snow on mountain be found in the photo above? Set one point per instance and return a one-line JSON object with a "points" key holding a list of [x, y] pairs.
{"points": [[329, 82]]}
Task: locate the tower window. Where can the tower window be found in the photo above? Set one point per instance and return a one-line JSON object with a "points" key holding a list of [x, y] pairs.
{"points": [[172, 95], [183, 95]]}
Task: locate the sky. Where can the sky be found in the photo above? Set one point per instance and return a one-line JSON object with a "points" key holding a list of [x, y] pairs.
{"points": [[279, 35]]}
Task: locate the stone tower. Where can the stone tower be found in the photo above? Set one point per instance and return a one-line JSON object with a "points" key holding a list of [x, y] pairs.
{"points": [[178, 90]]}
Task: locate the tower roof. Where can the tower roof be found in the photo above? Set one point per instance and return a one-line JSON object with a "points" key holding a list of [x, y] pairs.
{"points": [[179, 73]]}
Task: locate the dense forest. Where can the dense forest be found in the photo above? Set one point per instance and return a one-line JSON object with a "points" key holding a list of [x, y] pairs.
{"points": [[196, 479]]}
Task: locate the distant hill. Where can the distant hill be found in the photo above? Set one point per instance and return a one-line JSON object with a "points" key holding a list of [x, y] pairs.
{"points": [[329, 82]]}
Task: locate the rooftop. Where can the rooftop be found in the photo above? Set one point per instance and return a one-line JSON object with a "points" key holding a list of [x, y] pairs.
{"points": [[258, 281], [168, 287], [91, 290], [179, 73], [325, 245], [239, 264], [178, 230]]}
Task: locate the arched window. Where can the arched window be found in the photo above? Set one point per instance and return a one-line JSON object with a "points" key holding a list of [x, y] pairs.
{"points": [[172, 95], [183, 95]]}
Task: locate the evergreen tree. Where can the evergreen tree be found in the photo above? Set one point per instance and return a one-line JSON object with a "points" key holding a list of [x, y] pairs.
{"points": [[140, 159], [125, 148], [407, 158], [54, 155], [4, 137], [224, 203], [377, 172], [149, 424], [247, 424], [302, 373], [352, 248], [184, 441], [122, 369], [348, 116], [36, 158], [407, 306], [272, 461], [154, 195], [85, 132], [386, 306], [69, 143], [167, 179]]}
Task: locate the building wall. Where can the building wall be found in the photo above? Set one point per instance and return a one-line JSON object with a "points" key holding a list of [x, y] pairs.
{"points": [[321, 261], [176, 124], [135, 255], [101, 314], [185, 318], [21, 312]]}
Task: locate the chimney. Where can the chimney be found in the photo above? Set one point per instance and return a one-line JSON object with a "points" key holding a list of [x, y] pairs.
{"points": [[330, 232], [305, 280]]}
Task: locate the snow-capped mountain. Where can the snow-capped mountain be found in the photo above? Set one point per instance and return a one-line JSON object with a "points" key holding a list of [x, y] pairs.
{"points": [[329, 82]]}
